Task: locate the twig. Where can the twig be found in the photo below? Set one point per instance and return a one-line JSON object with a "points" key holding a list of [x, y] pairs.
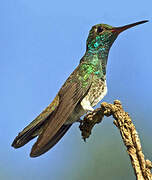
{"points": [[128, 133]]}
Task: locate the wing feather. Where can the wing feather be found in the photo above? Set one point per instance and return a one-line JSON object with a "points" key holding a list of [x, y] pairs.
{"points": [[60, 133], [70, 95]]}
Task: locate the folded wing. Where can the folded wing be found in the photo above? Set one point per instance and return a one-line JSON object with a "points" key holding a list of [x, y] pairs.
{"points": [[69, 96]]}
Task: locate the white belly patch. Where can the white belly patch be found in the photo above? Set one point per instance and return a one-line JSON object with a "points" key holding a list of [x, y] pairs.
{"points": [[95, 95]]}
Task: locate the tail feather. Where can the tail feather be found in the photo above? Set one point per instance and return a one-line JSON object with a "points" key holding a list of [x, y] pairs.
{"points": [[60, 133], [36, 126], [25, 136]]}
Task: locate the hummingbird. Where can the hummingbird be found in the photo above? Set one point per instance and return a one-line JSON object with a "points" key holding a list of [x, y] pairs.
{"points": [[84, 89]]}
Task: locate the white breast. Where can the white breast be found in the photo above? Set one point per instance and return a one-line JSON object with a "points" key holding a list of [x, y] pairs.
{"points": [[95, 95]]}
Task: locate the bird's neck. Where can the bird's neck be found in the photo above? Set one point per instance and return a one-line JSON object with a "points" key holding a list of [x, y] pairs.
{"points": [[97, 57], [101, 53]]}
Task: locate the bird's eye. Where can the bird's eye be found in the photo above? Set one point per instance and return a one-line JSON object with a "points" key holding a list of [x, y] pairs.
{"points": [[99, 30]]}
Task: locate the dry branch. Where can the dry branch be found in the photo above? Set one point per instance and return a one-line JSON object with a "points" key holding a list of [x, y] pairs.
{"points": [[128, 133]]}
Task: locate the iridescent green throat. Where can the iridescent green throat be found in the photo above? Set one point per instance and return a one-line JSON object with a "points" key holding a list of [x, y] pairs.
{"points": [[95, 59], [97, 51], [100, 44]]}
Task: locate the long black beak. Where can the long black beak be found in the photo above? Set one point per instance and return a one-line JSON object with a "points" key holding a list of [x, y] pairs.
{"points": [[123, 28]]}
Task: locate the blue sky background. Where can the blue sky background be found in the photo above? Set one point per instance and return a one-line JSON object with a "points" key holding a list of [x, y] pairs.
{"points": [[41, 42]]}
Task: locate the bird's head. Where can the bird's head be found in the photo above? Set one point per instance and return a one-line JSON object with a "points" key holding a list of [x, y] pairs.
{"points": [[103, 35]]}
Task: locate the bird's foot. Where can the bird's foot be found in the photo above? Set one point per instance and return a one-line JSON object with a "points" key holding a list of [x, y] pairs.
{"points": [[90, 111]]}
